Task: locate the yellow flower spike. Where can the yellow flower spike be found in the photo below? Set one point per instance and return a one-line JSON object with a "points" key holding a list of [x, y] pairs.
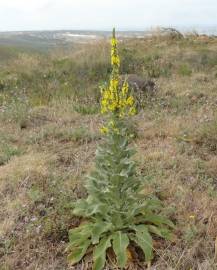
{"points": [[115, 97]]}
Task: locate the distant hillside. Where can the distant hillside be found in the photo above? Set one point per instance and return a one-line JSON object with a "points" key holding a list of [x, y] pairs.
{"points": [[43, 40], [46, 40]]}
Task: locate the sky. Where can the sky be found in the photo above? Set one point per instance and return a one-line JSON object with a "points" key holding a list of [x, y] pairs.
{"points": [[104, 14]]}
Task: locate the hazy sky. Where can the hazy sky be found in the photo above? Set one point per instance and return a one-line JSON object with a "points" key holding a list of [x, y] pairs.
{"points": [[104, 14]]}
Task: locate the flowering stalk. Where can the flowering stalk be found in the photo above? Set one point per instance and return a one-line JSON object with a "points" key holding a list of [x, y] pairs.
{"points": [[115, 213], [116, 98]]}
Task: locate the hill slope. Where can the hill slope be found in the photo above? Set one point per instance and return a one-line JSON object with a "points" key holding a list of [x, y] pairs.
{"points": [[49, 120]]}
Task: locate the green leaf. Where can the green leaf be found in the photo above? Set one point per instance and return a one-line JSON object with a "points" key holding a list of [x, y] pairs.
{"points": [[80, 234], [147, 205], [99, 254], [120, 244], [153, 204], [80, 208], [144, 240], [162, 232], [158, 220], [98, 229], [78, 252]]}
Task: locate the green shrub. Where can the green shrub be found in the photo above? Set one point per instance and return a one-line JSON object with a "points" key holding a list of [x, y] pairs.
{"points": [[131, 62], [156, 66]]}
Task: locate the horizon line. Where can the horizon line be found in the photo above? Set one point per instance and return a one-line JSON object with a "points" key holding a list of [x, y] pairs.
{"points": [[121, 29]]}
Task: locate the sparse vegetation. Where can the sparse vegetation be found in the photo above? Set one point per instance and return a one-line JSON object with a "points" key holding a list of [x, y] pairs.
{"points": [[49, 122]]}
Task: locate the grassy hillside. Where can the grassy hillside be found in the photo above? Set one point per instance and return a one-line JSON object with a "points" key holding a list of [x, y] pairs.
{"points": [[49, 129]]}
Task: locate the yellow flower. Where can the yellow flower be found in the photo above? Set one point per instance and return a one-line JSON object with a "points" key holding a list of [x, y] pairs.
{"points": [[115, 60], [125, 88], [112, 123], [130, 101], [104, 130], [113, 83], [132, 111], [114, 42], [106, 95]]}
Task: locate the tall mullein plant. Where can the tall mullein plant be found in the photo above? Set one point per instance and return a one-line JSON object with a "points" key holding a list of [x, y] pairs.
{"points": [[116, 214]]}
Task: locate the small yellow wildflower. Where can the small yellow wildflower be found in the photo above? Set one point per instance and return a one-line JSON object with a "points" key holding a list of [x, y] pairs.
{"points": [[125, 88], [130, 101], [132, 111], [104, 130], [112, 123], [115, 60], [114, 41]]}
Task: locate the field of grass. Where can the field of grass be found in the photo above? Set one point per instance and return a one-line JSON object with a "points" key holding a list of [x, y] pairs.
{"points": [[49, 129]]}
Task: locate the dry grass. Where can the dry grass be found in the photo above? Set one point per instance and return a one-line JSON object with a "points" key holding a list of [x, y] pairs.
{"points": [[176, 143]]}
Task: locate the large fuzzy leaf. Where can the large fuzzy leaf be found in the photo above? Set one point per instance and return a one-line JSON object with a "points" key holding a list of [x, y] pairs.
{"points": [[98, 229], [120, 244], [80, 234], [80, 208], [146, 206], [99, 254], [162, 232], [158, 220], [77, 253], [144, 240]]}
